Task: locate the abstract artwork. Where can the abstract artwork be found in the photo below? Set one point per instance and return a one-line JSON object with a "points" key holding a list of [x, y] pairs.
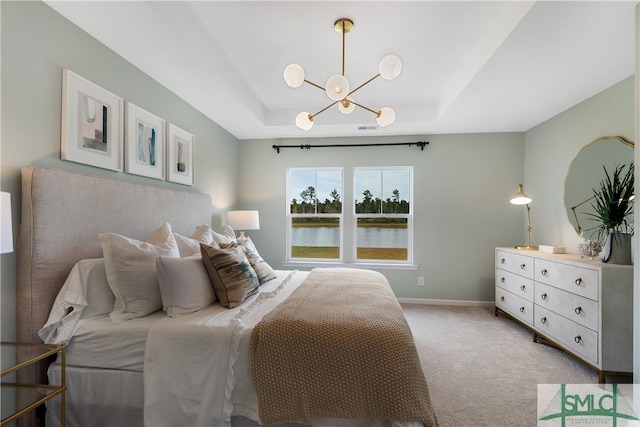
{"points": [[91, 128], [144, 143], [180, 156]]}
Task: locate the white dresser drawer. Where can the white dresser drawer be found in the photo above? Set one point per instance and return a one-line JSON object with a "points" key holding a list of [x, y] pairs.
{"points": [[574, 307], [577, 280], [514, 305], [516, 284], [515, 263], [575, 337]]}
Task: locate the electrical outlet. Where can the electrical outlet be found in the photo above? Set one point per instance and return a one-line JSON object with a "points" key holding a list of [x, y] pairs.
{"points": [[420, 280]]}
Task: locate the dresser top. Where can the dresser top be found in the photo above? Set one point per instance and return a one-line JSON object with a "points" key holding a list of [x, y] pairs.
{"points": [[575, 259]]}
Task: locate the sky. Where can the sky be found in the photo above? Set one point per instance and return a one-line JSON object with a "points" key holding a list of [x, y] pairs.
{"points": [[379, 183]]}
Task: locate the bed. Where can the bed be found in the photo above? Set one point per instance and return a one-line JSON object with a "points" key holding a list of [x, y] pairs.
{"points": [[228, 359]]}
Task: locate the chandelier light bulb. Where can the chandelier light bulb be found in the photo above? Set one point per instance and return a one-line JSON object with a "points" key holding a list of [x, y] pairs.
{"points": [[294, 75], [337, 87], [304, 121], [386, 116], [390, 67], [346, 106]]}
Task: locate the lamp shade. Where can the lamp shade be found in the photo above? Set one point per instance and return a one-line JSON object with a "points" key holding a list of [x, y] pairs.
{"points": [[6, 232], [294, 75], [386, 117], [243, 220], [337, 87], [520, 198], [304, 121], [390, 67]]}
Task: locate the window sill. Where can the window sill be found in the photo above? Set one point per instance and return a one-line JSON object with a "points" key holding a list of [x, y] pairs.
{"points": [[372, 266]]}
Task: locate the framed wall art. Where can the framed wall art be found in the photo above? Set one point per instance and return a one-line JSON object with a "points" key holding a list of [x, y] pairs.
{"points": [[92, 123], [180, 156], [144, 143]]}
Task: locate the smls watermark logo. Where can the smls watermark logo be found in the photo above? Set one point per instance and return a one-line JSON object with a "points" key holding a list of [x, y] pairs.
{"points": [[585, 405]]}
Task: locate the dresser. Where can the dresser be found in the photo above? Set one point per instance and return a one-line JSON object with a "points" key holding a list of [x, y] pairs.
{"points": [[582, 306]]}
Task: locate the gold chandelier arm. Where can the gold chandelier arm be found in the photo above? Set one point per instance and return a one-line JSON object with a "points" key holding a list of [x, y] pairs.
{"points": [[377, 113], [364, 84], [325, 108], [313, 84], [344, 33]]}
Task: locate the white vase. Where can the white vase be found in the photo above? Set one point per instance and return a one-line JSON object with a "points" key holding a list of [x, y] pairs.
{"points": [[617, 248]]}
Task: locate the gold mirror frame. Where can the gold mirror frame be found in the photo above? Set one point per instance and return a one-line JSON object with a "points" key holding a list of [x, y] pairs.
{"points": [[585, 173]]}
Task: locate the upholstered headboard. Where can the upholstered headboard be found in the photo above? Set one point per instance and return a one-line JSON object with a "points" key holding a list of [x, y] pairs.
{"points": [[62, 213]]}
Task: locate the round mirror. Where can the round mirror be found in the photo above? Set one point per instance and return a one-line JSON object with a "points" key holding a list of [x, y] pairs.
{"points": [[585, 173]]}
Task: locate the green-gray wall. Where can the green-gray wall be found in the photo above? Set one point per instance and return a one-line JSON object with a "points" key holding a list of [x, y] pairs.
{"points": [[551, 146], [462, 187], [37, 44]]}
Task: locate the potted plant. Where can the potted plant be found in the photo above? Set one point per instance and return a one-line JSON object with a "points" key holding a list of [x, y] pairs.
{"points": [[613, 206]]}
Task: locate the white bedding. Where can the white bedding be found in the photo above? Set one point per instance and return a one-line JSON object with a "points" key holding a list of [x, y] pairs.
{"points": [[98, 342], [199, 392], [181, 385]]}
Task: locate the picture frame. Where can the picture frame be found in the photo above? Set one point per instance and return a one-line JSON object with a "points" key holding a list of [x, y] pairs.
{"points": [[92, 123], [180, 155], [144, 143]]}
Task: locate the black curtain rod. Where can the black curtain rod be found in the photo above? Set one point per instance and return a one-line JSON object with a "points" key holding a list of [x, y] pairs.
{"points": [[420, 144]]}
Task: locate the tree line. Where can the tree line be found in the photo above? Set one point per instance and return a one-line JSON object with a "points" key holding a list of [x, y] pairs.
{"points": [[309, 203]]}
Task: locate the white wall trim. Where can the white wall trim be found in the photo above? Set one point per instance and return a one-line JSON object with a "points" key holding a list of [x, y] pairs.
{"points": [[452, 302]]}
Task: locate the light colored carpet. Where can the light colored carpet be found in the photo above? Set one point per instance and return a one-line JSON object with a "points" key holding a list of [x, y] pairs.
{"points": [[483, 370]]}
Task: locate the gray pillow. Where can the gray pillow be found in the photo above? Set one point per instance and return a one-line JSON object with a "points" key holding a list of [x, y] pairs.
{"points": [[231, 274], [262, 269]]}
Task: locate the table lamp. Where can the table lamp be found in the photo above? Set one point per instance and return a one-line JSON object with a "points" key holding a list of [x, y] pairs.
{"points": [[6, 233], [243, 220], [522, 199]]}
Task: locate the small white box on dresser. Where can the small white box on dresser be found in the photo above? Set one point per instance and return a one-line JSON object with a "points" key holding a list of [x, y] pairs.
{"points": [[552, 249], [583, 306]]}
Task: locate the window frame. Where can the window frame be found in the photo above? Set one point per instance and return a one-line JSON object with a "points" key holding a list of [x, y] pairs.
{"points": [[348, 215], [408, 216], [290, 216]]}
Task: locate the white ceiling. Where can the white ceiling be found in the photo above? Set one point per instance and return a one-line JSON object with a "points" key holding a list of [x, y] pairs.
{"points": [[475, 66]]}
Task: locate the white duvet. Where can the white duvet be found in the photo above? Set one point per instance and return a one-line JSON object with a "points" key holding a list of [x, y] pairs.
{"points": [[196, 367]]}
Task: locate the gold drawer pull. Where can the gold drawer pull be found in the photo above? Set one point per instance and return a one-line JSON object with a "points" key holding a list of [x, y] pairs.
{"points": [[579, 281], [502, 299], [502, 261], [502, 280], [543, 320], [523, 266], [523, 287], [521, 309], [578, 339], [544, 272], [578, 310], [544, 297]]}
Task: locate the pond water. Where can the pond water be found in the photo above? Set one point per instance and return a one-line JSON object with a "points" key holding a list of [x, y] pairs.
{"points": [[368, 237]]}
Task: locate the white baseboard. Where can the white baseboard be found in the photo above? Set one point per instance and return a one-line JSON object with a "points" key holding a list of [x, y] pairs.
{"points": [[465, 303]]}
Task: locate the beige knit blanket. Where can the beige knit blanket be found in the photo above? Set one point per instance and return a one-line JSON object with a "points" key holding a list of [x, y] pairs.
{"points": [[339, 346]]}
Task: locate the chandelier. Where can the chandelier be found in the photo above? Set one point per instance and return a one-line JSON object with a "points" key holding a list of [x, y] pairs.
{"points": [[337, 86]]}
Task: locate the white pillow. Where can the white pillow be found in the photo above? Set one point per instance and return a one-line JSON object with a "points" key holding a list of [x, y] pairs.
{"points": [[184, 285], [85, 294], [131, 271], [164, 238], [190, 246]]}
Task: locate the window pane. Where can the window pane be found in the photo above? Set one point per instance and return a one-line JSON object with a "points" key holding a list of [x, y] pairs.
{"points": [[329, 186], [368, 190], [382, 238], [315, 237]]}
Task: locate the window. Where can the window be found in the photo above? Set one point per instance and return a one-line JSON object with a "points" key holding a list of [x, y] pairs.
{"points": [[378, 219], [382, 214], [314, 216]]}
